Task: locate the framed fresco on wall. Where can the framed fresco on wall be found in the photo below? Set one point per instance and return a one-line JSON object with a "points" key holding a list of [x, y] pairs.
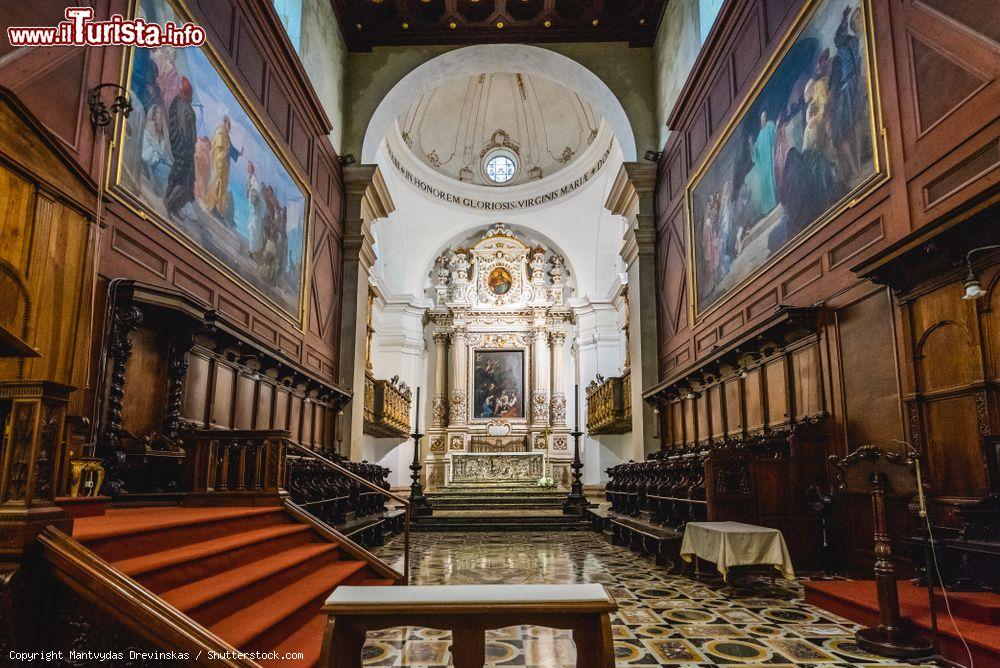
{"points": [[196, 159], [498, 384], [802, 146]]}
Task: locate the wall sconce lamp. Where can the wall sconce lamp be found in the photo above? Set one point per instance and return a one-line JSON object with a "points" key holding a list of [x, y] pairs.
{"points": [[973, 290]]}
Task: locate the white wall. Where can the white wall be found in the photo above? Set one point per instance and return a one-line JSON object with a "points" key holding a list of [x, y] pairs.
{"points": [[323, 53], [677, 45], [412, 236]]}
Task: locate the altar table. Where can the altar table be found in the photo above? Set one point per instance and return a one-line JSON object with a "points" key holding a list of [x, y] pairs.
{"points": [[729, 544]]}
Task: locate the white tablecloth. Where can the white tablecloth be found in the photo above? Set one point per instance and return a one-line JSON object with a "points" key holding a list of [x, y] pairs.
{"points": [[730, 544]]}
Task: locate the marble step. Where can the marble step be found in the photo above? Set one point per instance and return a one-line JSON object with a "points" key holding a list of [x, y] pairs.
{"points": [[500, 520], [508, 527], [481, 491], [552, 500]]}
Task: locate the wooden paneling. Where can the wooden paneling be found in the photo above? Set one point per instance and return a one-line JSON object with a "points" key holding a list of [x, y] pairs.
{"points": [[753, 403], [224, 387], [265, 405], [701, 406], [808, 383], [143, 412], [244, 403], [953, 446], [776, 381], [948, 402], [734, 406], [195, 401], [45, 232], [868, 371]]}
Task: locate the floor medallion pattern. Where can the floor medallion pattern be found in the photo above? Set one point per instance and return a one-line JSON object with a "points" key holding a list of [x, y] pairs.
{"points": [[663, 620]]}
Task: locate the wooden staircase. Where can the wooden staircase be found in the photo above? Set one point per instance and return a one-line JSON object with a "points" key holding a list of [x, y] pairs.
{"points": [[253, 577]]}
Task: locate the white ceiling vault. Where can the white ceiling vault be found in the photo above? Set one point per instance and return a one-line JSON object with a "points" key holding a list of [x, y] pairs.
{"points": [[454, 127], [432, 131], [510, 58]]}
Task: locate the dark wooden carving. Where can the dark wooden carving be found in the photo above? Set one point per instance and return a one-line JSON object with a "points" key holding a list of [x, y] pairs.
{"points": [[341, 502], [176, 372], [125, 318]]}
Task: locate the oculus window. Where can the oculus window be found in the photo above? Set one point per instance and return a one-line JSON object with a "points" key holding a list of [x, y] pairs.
{"points": [[500, 167]]}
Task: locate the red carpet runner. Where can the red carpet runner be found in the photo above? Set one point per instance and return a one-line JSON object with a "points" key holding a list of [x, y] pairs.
{"points": [[250, 575], [977, 615]]}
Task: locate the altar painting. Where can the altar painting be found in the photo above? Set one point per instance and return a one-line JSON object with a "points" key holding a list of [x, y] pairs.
{"points": [[193, 157], [498, 384], [804, 144]]}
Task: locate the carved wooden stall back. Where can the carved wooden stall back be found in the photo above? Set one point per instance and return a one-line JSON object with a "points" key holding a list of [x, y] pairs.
{"points": [[885, 366], [201, 375], [754, 414]]}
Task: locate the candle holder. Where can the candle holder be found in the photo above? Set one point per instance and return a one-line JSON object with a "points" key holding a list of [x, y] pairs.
{"points": [[419, 505], [576, 503]]}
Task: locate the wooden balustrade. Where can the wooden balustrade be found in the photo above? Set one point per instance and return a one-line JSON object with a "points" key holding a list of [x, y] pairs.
{"points": [[609, 404], [242, 467], [348, 499], [387, 408], [343, 502]]}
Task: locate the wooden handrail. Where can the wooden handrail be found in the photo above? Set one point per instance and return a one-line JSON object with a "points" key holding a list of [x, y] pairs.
{"points": [[348, 545], [329, 463], [132, 605]]}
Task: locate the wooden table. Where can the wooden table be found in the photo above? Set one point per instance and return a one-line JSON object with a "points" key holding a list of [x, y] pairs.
{"points": [[469, 611], [729, 544]]}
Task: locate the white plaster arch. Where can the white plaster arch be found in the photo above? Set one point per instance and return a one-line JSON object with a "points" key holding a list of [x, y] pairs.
{"points": [[472, 60]]}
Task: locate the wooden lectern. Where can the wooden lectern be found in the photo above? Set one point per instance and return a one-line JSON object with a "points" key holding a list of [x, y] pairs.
{"points": [[871, 470]]}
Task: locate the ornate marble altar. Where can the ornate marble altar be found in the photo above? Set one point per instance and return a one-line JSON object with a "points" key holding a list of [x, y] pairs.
{"points": [[497, 468], [500, 326]]}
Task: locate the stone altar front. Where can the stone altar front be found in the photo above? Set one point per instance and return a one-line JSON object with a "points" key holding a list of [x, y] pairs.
{"points": [[497, 467]]}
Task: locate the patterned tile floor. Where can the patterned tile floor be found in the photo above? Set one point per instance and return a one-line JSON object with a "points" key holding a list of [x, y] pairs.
{"points": [[663, 620]]}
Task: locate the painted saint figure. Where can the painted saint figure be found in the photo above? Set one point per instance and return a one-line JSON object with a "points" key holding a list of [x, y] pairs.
{"points": [[182, 132], [258, 209], [762, 153], [218, 200]]}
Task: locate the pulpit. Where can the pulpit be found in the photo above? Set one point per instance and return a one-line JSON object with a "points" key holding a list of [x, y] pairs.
{"points": [[872, 470]]}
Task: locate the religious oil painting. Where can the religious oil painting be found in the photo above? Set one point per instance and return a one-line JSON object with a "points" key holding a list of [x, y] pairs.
{"points": [[802, 146], [194, 158], [498, 384], [500, 281]]}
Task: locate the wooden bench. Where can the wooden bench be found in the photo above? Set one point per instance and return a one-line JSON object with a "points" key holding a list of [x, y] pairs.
{"points": [[661, 543], [468, 611]]}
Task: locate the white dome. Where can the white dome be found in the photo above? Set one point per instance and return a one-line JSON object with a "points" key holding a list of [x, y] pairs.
{"points": [[456, 128]]}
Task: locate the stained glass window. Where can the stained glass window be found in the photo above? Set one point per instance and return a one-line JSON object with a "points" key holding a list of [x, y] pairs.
{"points": [[500, 168]]}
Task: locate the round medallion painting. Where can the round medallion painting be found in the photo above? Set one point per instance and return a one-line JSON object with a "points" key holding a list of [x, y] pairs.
{"points": [[499, 281]]}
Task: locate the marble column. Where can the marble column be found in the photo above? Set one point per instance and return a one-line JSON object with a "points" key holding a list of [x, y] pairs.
{"points": [[540, 373], [632, 197], [459, 364], [557, 342], [439, 409]]}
